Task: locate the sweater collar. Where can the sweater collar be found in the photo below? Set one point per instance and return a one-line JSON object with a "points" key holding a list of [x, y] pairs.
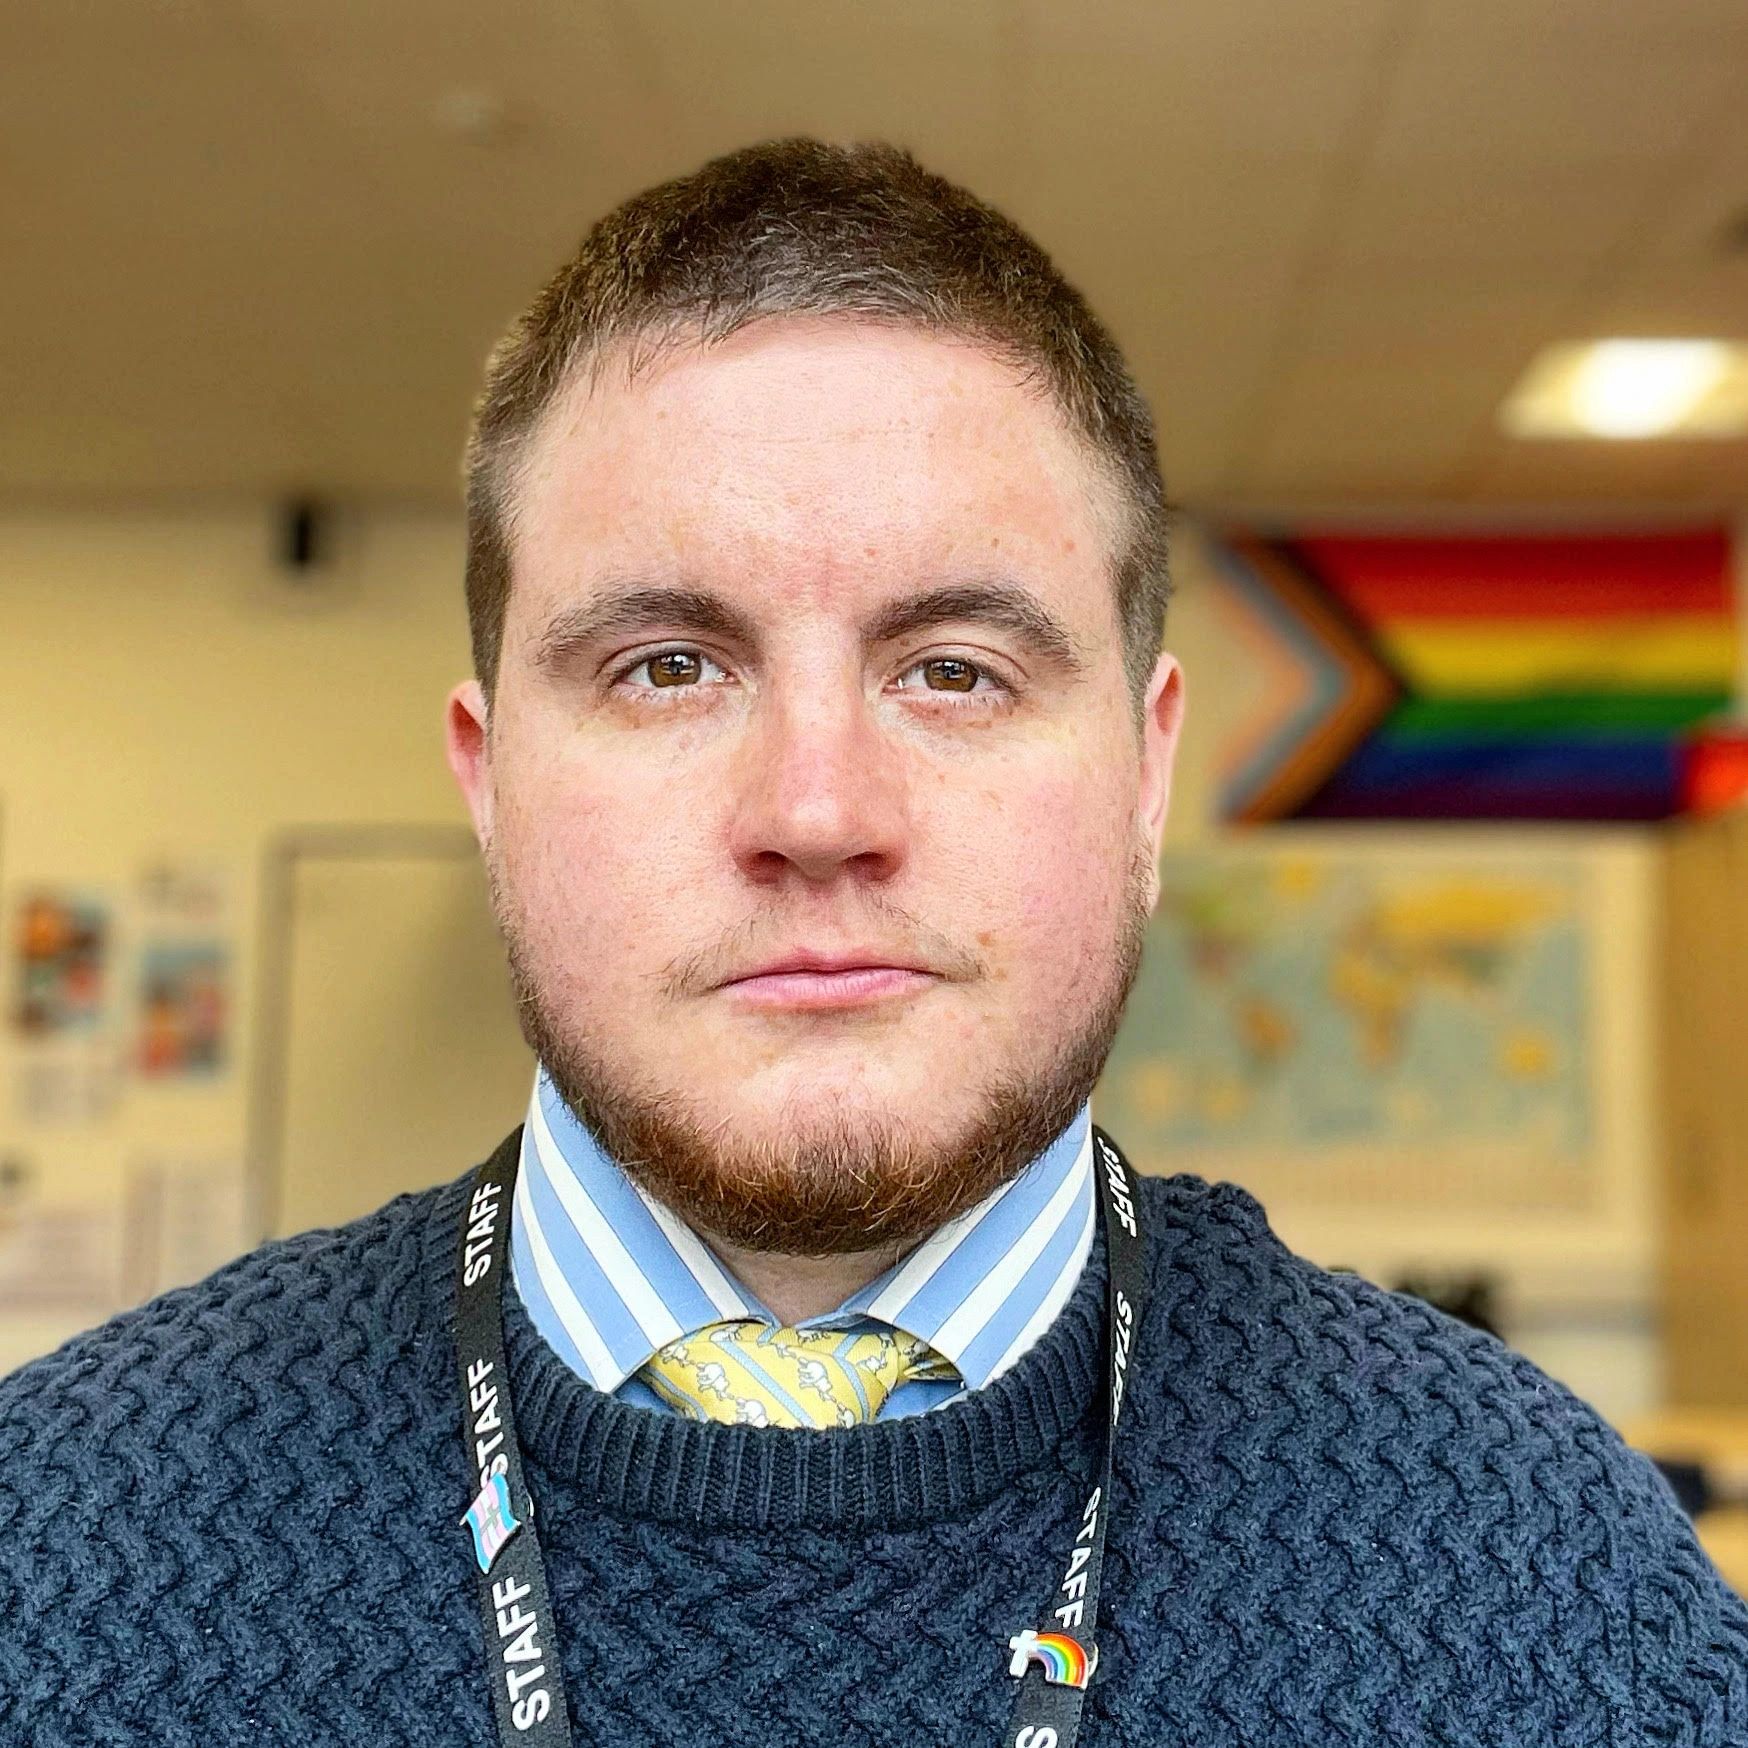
{"points": [[644, 1463]]}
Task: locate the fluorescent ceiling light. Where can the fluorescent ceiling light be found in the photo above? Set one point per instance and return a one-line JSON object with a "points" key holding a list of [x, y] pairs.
{"points": [[1632, 388]]}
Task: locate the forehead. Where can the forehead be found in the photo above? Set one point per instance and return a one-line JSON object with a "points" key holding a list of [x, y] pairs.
{"points": [[812, 454]]}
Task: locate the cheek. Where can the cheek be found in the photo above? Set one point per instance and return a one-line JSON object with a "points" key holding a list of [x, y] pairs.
{"points": [[1051, 872], [1069, 909], [597, 881]]}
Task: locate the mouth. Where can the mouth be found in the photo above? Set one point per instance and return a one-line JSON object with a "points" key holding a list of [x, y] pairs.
{"points": [[850, 986]]}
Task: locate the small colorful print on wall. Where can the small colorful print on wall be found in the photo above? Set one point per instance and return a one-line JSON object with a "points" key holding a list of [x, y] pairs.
{"points": [[61, 946], [1580, 677], [184, 1008]]}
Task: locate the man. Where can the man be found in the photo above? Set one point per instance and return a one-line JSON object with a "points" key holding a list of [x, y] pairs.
{"points": [[819, 751]]}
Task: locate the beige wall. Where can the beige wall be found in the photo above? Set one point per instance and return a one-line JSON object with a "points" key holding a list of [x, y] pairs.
{"points": [[164, 687]]}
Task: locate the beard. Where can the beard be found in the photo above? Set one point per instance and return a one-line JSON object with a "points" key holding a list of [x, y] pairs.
{"points": [[835, 1183]]}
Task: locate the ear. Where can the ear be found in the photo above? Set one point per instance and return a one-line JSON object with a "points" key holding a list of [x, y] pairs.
{"points": [[467, 745], [1162, 718]]}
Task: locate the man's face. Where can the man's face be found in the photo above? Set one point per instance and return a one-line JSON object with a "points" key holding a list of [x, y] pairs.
{"points": [[747, 763]]}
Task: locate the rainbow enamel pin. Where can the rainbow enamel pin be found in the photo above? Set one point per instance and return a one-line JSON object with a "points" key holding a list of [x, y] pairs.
{"points": [[1064, 1658]]}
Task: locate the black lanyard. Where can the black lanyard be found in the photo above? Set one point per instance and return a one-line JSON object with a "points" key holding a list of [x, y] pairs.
{"points": [[1053, 1663]]}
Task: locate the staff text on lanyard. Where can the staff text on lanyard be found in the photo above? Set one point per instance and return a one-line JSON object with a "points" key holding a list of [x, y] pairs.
{"points": [[524, 1670]]}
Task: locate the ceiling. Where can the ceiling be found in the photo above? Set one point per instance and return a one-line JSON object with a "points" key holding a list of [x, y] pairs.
{"points": [[263, 245]]}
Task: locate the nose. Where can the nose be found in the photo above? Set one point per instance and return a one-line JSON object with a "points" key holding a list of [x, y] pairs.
{"points": [[820, 788]]}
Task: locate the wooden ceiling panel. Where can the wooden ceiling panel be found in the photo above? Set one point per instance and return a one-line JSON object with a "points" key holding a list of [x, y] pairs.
{"points": [[1563, 33], [1319, 484], [97, 451], [1626, 474], [938, 79], [1455, 218], [1395, 313], [1216, 39], [172, 113], [1412, 416], [1714, 470], [1705, 210], [1109, 103], [1195, 304], [1708, 300], [1199, 394], [1453, 104], [339, 371], [478, 123], [1202, 246], [393, 67]]}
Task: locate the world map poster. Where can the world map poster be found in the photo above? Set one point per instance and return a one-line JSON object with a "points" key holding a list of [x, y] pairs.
{"points": [[1334, 1025]]}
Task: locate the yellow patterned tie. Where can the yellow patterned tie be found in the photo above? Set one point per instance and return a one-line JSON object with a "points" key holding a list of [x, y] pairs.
{"points": [[746, 1372]]}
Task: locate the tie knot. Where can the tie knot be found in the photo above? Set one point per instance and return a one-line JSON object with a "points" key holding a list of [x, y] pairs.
{"points": [[745, 1372]]}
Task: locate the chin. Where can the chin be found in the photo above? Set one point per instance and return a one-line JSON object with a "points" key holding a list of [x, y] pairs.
{"points": [[780, 1092]]}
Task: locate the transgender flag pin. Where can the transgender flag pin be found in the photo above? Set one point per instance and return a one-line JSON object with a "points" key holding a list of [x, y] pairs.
{"points": [[491, 1520]]}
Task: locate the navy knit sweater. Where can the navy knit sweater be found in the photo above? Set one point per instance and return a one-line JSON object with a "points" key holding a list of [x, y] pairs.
{"points": [[233, 1516]]}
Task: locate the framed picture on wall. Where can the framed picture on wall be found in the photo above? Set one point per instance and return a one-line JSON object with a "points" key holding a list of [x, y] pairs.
{"points": [[1408, 1043]]}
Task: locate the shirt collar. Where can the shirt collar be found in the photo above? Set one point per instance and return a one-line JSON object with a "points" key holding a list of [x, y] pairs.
{"points": [[609, 1274]]}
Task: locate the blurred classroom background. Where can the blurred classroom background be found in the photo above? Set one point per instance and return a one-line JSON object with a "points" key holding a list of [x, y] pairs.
{"points": [[1442, 308]]}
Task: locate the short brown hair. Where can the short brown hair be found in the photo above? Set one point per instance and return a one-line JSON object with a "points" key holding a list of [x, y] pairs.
{"points": [[799, 227]]}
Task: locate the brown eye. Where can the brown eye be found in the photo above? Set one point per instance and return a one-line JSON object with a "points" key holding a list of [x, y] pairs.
{"points": [[669, 670], [958, 676], [674, 667], [944, 674]]}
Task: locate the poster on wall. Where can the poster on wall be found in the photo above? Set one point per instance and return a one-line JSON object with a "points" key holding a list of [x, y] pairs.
{"points": [[183, 1007], [61, 948], [61, 1005], [1350, 1028]]}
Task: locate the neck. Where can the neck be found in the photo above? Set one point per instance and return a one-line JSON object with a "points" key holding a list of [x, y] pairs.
{"points": [[799, 1287]]}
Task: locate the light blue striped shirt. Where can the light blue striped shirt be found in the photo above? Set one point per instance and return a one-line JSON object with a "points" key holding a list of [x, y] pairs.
{"points": [[608, 1274]]}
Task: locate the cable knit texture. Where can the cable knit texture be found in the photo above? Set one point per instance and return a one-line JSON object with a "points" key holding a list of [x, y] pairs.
{"points": [[233, 1516]]}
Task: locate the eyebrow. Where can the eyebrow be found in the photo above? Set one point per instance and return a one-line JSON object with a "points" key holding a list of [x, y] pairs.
{"points": [[1004, 605]]}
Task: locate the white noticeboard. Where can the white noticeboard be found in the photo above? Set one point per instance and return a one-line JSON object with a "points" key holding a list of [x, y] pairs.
{"points": [[398, 1063]]}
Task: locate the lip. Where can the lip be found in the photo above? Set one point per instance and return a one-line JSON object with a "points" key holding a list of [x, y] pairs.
{"points": [[855, 986], [810, 959]]}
